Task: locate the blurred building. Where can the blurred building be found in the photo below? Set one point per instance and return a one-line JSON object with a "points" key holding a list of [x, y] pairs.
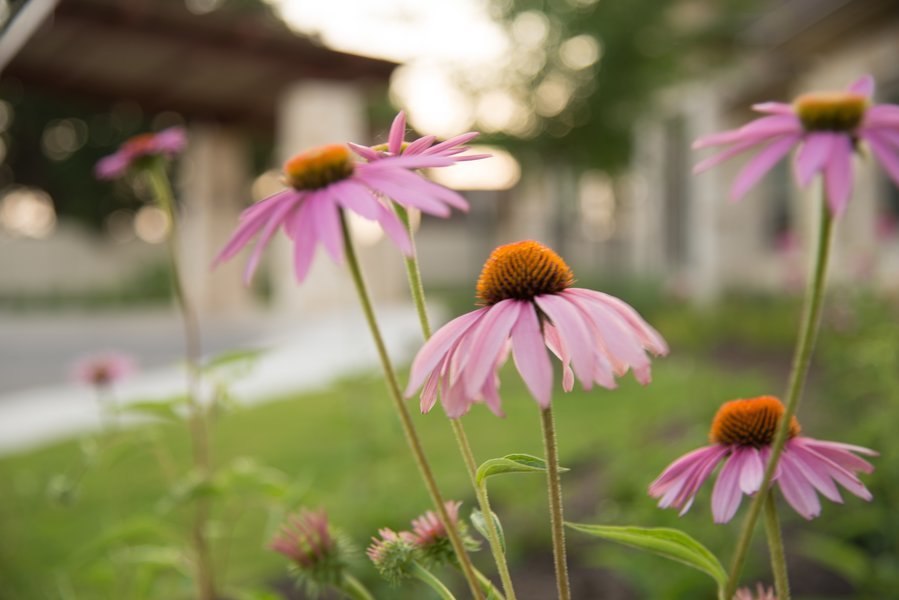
{"points": [[682, 228], [229, 71]]}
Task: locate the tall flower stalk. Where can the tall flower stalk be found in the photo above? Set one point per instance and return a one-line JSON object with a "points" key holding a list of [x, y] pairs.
{"points": [[413, 272], [805, 344], [198, 421], [409, 431], [554, 487]]}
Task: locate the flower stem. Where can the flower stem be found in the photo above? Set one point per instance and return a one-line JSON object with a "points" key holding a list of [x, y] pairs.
{"points": [[808, 331], [199, 430], [396, 395], [354, 589], [554, 486], [489, 588], [429, 578], [416, 288], [776, 548]]}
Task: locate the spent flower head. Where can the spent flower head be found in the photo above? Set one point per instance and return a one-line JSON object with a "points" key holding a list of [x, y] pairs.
{"points": [[742, 434], [103, 369], [431, 538], [323, 182], [139, 149], [827, 127], [318, 554], [761, 593], [529, 305], [393, 554]]}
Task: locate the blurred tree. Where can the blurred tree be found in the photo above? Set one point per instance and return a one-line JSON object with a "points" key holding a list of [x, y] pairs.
{"points": [[581, 71]]}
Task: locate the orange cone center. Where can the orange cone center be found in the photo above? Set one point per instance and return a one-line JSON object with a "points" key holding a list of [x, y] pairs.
{"points": [[750, 422], [319, 167], [831, 111], [521, 271]]}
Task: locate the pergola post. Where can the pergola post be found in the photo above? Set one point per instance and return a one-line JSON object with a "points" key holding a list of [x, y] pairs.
{"points": [[213, 187]]}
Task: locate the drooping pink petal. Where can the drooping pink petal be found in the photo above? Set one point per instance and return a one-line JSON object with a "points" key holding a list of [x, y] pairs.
{"points": [[557, 346], [419, 145], [815, 469], [529, 354], [679, 467], [397, 133], [429, 392], [492, 332], [301, 231], [271, 226], [415, 197], [112, 166], [364, 151], [573, 332], [416, 184], [813, 155], [838, 174], [726, 494], [759, 130], [453, 142], [774, 108], [244, 233], [649, 337], [356, 197], [797, 490], [621, 342], [326, 219], [395, 230], [888, 159], [416, 161], [720, 157], [490, 391], [752, 472], [864, 85], [684, 499], [436, 348], [881, 116], [763, 162]]}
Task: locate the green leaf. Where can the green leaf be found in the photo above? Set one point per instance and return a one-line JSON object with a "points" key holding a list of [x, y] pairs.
{"points": [[512, 463], [480, 525], [230, 357], [670, 543], [166, 409]]}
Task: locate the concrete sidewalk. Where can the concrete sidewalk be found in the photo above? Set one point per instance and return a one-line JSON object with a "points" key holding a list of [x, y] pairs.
{"points": [[38, 405]]}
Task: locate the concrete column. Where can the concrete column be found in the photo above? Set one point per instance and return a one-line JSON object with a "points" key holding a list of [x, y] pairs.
{"points": [[705, 195], [313, 113], [213, 186], [647, 200]]}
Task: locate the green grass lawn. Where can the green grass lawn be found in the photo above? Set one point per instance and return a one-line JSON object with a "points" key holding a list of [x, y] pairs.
{"points": [[343, 449]]}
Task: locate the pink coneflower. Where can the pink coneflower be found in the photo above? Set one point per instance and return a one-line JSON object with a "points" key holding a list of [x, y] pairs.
{"points": [[761, 593], [827, 126], [393, 554], [102, 370], [529, 305], [305, 538], [741, 435], [166, 143], [425, 146], [326, 180]]}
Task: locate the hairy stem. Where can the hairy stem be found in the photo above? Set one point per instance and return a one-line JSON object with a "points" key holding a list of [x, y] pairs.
{"points": [[199, 430], [353, 588], [396, 395], [808, 331], [413, 272], [776, 548], [554, 486]]}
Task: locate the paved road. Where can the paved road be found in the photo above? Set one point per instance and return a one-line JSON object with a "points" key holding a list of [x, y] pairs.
{"points": [[39, 405]]}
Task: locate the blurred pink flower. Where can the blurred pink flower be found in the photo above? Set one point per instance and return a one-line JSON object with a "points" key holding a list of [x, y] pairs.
{"points": [[103, 369], [529, 304], [425, 146], [326, 180], [382, 547], [826, 126], [427, 529], [166, 143], [305, 539], [761, 593], [742, 433]]}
